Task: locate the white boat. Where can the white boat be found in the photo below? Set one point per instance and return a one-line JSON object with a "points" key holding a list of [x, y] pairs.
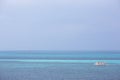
{"points": [[100, 63]]}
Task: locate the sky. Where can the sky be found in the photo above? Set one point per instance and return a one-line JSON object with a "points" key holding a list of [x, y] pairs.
{"points": [[92, 25]]}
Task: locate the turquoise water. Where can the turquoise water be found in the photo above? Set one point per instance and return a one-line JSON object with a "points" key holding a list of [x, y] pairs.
{"points": [[60, 61], [60, 56], [70, 55], [58, 65]]}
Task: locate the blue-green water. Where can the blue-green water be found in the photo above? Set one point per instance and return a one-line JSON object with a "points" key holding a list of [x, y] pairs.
{"points": [[70, 55], [58, 65]]}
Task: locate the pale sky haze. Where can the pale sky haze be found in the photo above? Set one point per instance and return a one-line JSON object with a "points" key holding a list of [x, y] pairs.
{"points": [[60, 25]]}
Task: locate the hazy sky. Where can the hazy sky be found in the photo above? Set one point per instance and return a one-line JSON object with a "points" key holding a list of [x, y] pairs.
{"points": [[59, 25]]}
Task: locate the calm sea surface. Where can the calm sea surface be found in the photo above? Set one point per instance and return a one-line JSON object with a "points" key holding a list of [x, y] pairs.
{"points": [[58, 65]]}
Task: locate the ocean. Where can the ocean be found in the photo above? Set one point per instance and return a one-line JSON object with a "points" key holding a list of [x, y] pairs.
{"points": [[59, 65]]}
